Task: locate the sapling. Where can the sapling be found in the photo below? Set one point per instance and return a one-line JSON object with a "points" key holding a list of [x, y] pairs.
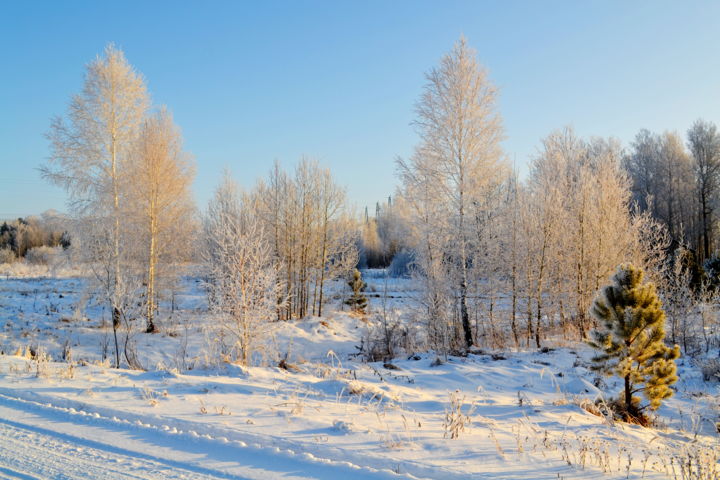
{"points": [[357, 301], [631, 341]]}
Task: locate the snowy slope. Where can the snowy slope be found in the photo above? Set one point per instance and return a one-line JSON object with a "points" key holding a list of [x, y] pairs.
{"points": [[328, 416], [45, 441]]}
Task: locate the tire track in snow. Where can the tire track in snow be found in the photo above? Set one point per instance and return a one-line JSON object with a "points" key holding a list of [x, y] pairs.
{"points": [[214, 457], [8, 474], [53, 456]]}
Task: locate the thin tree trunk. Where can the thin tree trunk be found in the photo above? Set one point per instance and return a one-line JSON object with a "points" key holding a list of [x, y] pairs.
{"points": [[706, 230], [322, 265], [539, 291], [580, 278], [151, 275], [116, 325], [628, 394], [513, 280], [116, 252], [529, 320], [467, 330], [464, 314]]}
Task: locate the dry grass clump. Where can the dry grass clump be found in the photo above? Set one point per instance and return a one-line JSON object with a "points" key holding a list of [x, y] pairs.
{"points": [[455, 419]]}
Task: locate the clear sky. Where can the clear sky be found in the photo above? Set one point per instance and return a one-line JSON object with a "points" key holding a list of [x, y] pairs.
{"points": [[251, 82]]}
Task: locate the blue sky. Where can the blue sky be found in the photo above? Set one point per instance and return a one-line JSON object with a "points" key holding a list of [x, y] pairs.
{"points": [[251, 82]]}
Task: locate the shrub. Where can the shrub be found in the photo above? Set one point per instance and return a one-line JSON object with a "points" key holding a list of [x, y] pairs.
{"points": [[7, 255], [42, 255], [400, 265], [711, 370]]}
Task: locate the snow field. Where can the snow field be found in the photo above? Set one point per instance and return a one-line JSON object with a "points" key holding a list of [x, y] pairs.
{"points": [[514, 414]]}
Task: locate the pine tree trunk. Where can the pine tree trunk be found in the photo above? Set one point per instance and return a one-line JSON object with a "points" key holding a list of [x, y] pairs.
{"points": [[628, 394]]}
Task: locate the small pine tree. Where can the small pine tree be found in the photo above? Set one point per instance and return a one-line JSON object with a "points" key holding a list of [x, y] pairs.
{"points": [[632, 341], [358, 300]]}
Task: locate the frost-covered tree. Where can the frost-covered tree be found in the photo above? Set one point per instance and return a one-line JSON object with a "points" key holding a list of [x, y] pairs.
{"points": [[663, 183], [631, 340], [679, 296], [428, 235], [578, 225], [676, 206], [313, 239], [160, 203], [543, 212], [19, 236], [512, 254], [89, 156], [459, 159], [704, 143], [370, 248], [242, 280], [381, 236], [642, 164]]}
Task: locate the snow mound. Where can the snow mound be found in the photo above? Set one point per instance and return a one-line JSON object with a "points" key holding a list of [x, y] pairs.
{"points": [[580, 386]]}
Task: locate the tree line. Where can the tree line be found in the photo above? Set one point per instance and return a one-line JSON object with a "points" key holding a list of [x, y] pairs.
{"points": [[498, 258], [19, 236], [128, 180], [268, 253], [494, 257], [678, 183]]}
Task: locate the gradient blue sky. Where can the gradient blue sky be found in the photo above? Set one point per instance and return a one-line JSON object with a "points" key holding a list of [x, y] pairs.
{"points": [[251, 82]]}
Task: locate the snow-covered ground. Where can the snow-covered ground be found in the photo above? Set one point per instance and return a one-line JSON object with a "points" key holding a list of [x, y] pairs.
{"points": [[328, 416]]}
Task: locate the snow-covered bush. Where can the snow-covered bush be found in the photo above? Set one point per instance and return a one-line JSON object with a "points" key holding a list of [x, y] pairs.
{"points": [[386, 337], [7, 255], [43, 255], [711, 370], [400, 265], [242, 283]]}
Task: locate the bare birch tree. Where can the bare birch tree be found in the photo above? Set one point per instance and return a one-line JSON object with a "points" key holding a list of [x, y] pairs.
{"points": [[160, 203], [704, 143], [460, 133], [580, 225], [429, 237], [663, 184], [541, 217], [89, 153], [678, 209], [313, 238], [242, 279]]}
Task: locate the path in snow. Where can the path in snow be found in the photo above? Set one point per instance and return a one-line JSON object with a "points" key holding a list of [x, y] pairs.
{"points": [[31, 453], [40, 443]]}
